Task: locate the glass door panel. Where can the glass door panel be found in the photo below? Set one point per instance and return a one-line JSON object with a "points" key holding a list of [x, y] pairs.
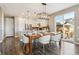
{"points": [[59, 24], [69, 26], [65, 25]]}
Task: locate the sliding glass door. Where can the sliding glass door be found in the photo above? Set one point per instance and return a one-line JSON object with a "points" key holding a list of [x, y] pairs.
{"points": [[65, 25], [69, 25], [59, 24]]}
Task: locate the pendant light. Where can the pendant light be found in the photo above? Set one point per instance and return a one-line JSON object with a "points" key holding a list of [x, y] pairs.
{"points": [[43, 14]]}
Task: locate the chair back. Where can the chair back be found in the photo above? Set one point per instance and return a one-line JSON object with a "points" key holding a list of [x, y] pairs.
{"points": [[34, 32], [25, 39], [20, 35], [56, 37], [45, 39]]}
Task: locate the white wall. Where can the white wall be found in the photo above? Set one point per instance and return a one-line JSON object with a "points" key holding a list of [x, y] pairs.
{"points": [[1, 25], [16, 25], [20, 24], [52, 23], [21, 21]]}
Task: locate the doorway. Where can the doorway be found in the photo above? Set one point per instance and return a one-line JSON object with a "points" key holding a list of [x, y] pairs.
{"points": [[9, 26], [65, 25]]}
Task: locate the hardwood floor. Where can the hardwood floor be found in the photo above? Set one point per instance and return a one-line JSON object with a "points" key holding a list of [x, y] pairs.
{"points": [[12, 47]]}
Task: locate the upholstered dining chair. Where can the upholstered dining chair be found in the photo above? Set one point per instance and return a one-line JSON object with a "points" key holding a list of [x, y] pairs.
{"points": [[56, 38], [44, 40], [36, 41], [24, 42]]}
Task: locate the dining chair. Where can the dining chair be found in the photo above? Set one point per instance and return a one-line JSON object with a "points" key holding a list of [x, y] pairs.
{"points": [[44, 40], [56, 38], [34, 32], [36, 41], [23, 41]]}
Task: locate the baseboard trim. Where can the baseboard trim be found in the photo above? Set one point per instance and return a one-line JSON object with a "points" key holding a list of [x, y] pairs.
{"points": [[73, 42]]}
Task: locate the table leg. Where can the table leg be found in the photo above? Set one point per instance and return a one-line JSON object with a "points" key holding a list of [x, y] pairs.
{"points": [[30, 45]]}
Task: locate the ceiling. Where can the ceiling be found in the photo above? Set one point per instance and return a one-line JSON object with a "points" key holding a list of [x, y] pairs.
{"points": [[20, 9]]}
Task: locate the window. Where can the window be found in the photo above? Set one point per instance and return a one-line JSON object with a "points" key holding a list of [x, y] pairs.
{"points": [[59, 24], [65, 24], [69, 15]]}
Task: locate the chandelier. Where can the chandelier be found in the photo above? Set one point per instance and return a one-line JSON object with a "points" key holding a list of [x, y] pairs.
{"points": [[43, 15]]}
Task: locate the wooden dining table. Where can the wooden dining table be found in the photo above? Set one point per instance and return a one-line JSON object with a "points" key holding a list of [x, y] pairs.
{"points": [[32, 37]]}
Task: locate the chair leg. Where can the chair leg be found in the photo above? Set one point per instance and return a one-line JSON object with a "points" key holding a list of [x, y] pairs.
{"points": [[36, 44], [43, 48], [60, 43], [49, 45], [27, 48], [24, 48]]}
